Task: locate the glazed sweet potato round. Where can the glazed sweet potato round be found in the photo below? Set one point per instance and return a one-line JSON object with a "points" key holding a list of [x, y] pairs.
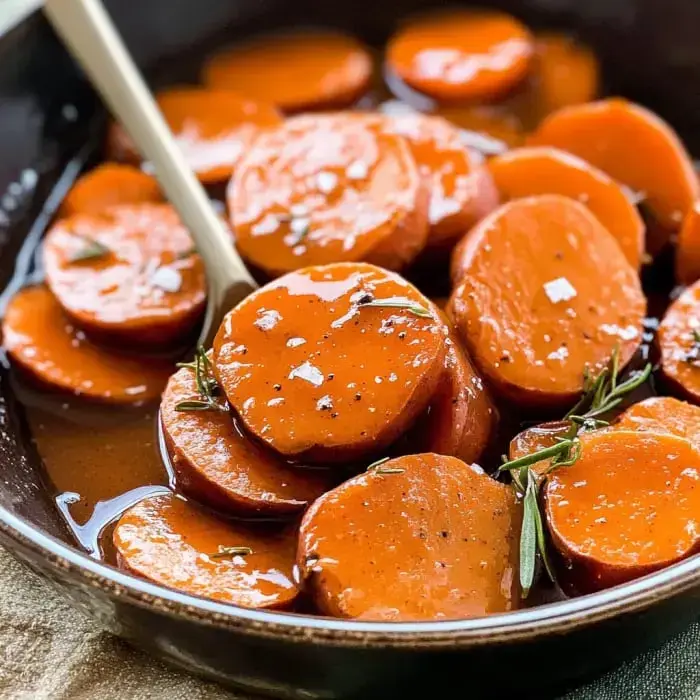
{"points": [[213, 128], [663, 414], [300, 70], [547, 293], [110, 184], [217, 464], [626, 508], [127, 275], [461, 55], [331, 363], [329, 188], [420, 537], [461, 190], [45, 344], [169, 541], [679, 343], [688, 247]]}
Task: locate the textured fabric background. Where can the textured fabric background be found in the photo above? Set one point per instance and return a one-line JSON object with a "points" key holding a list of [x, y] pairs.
{"points": [[48, 651]]}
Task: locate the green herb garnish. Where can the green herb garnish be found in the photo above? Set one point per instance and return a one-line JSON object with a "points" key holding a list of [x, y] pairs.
{"points": [[693, 354], [207, 386], [600, 396], [407, 304], [91, 250], [225, 552], [377, 467]]}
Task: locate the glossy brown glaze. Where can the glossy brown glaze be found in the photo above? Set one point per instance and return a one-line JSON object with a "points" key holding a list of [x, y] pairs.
{"points": [[461, 191], [548, 292], [315, 374], [677, 343], [147, 286], [626, 508], [329, 188], [436, 540], [169, 541], [531, 171], [461, 55], [213, 128], [295, 70], [632, 145], [46, 345], [215, 463], [110, 184]]}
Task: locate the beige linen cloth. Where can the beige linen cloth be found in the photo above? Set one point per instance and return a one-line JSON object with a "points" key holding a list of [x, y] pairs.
{"points": [[48, 651]]}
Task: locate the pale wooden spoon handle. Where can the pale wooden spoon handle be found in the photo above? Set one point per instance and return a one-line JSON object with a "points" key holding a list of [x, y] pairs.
{"points": [[91, 36]]}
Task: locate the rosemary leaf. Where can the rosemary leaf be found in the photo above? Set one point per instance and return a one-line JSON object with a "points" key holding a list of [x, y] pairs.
{"points": [[388, 470], [374, 465], [562, 447], [225, 552], [528, 541], [407, 304], [92, 250], [539, 530], [193, 405]]}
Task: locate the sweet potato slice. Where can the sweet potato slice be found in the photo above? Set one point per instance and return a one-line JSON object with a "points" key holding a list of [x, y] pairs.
{"points": [[331, 363], [629, 506], [634, 146], [548, 292], [296, 71], [329, 188], [663, 414], [421, 537], [688, 247], [678, 338], [532, 171], [461, 191], [127, 275], [218, 465], [213, 128], [171, 542], [44, 343], [461, 55], [110, 184], [461, 417]]}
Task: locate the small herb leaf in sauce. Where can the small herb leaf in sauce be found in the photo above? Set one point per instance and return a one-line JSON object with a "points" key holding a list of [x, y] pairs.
{"points": [[226, 552], [378, 468], [600, 396], [207, 386], [406, 304], [693, 354], [91, 250]]}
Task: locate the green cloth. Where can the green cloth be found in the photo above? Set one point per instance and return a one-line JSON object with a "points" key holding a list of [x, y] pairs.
{"points": [[48, 651]]}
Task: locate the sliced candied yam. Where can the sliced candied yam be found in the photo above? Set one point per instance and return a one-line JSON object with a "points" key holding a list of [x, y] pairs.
{"points": [[217, 464], [629, 506], [296, 71], [461, 55], [678, 338], [461, 418], [331, 363], [420, 537], [169, 541], [536, 438], [213, 128], [107, 185], [329, 188], [688, 247], [663, 414], [129, 274], [631, 144], [564, 72], [45, 344], [461, 191], [488, 129], [547, 293], [543, 170]]}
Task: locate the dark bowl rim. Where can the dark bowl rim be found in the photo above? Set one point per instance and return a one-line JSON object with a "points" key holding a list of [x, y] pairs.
{"points": [[522, 625]]}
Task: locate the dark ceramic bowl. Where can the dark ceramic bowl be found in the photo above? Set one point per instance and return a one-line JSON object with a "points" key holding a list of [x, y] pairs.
{"points": [[47, 115]]}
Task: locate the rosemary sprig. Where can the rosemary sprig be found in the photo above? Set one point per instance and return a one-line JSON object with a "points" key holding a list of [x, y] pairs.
{"points": [[600, 396], [91, 250], [207, 386], [407, 304], [377, 467], [693, 354], [225, 552]]}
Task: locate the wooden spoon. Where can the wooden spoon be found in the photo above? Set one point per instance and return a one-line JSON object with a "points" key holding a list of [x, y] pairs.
{"points": [[91, 37]]}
